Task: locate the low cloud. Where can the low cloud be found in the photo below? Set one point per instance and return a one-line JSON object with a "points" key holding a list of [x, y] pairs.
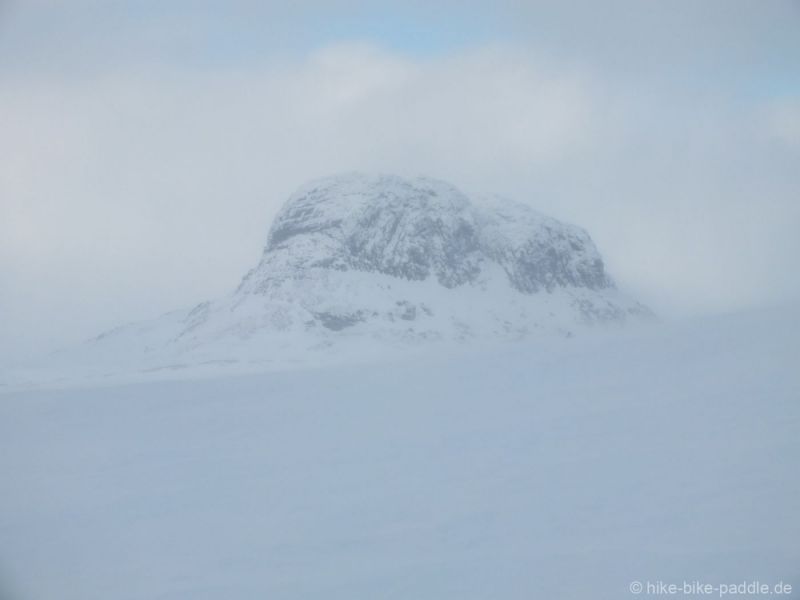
{"points": [[129, 193], [783, 121]]}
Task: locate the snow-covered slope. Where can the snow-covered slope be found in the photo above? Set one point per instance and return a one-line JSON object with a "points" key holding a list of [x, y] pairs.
{"points": [[547, 469], [357, 261]]}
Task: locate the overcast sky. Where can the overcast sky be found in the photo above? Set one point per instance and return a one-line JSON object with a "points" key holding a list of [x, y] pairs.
{"points": [[145, 146]]}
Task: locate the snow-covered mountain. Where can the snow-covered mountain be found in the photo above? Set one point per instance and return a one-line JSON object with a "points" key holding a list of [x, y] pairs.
{"points": [[382, 258]]}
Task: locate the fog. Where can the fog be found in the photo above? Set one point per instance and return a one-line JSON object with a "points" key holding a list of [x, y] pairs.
{"points": [[145, 149]]}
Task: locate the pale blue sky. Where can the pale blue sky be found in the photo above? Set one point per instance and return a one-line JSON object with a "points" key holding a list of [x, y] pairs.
{"points": [[714, 37], [84, 34]]}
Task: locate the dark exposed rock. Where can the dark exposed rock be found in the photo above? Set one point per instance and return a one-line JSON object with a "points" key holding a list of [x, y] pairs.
{"points": [[421, 228]]}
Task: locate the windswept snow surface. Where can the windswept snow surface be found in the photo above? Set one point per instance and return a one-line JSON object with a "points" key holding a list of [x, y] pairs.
{"points": [[557, 468]]}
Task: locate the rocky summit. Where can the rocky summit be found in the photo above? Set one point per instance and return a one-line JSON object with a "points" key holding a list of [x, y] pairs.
{"points": [[422, 228]]}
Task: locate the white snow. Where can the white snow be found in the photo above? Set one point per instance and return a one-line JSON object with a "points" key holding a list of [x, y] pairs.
{"points": [[551, 468]]}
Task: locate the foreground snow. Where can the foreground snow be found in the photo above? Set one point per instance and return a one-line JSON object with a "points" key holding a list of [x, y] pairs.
{"points": [[548, 469]]}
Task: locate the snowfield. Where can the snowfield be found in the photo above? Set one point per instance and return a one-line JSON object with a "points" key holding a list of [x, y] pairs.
{"points": [[551, 468]]}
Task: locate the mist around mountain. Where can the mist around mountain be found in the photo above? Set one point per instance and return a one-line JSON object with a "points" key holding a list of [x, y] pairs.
{"points": [[415, 393], [359, 265]]}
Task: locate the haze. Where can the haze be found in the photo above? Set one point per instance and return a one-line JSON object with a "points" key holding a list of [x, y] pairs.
{"points": [[145, 148]]}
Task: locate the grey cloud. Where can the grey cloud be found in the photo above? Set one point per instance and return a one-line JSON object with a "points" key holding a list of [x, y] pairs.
{"points": [[144, 184]]}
